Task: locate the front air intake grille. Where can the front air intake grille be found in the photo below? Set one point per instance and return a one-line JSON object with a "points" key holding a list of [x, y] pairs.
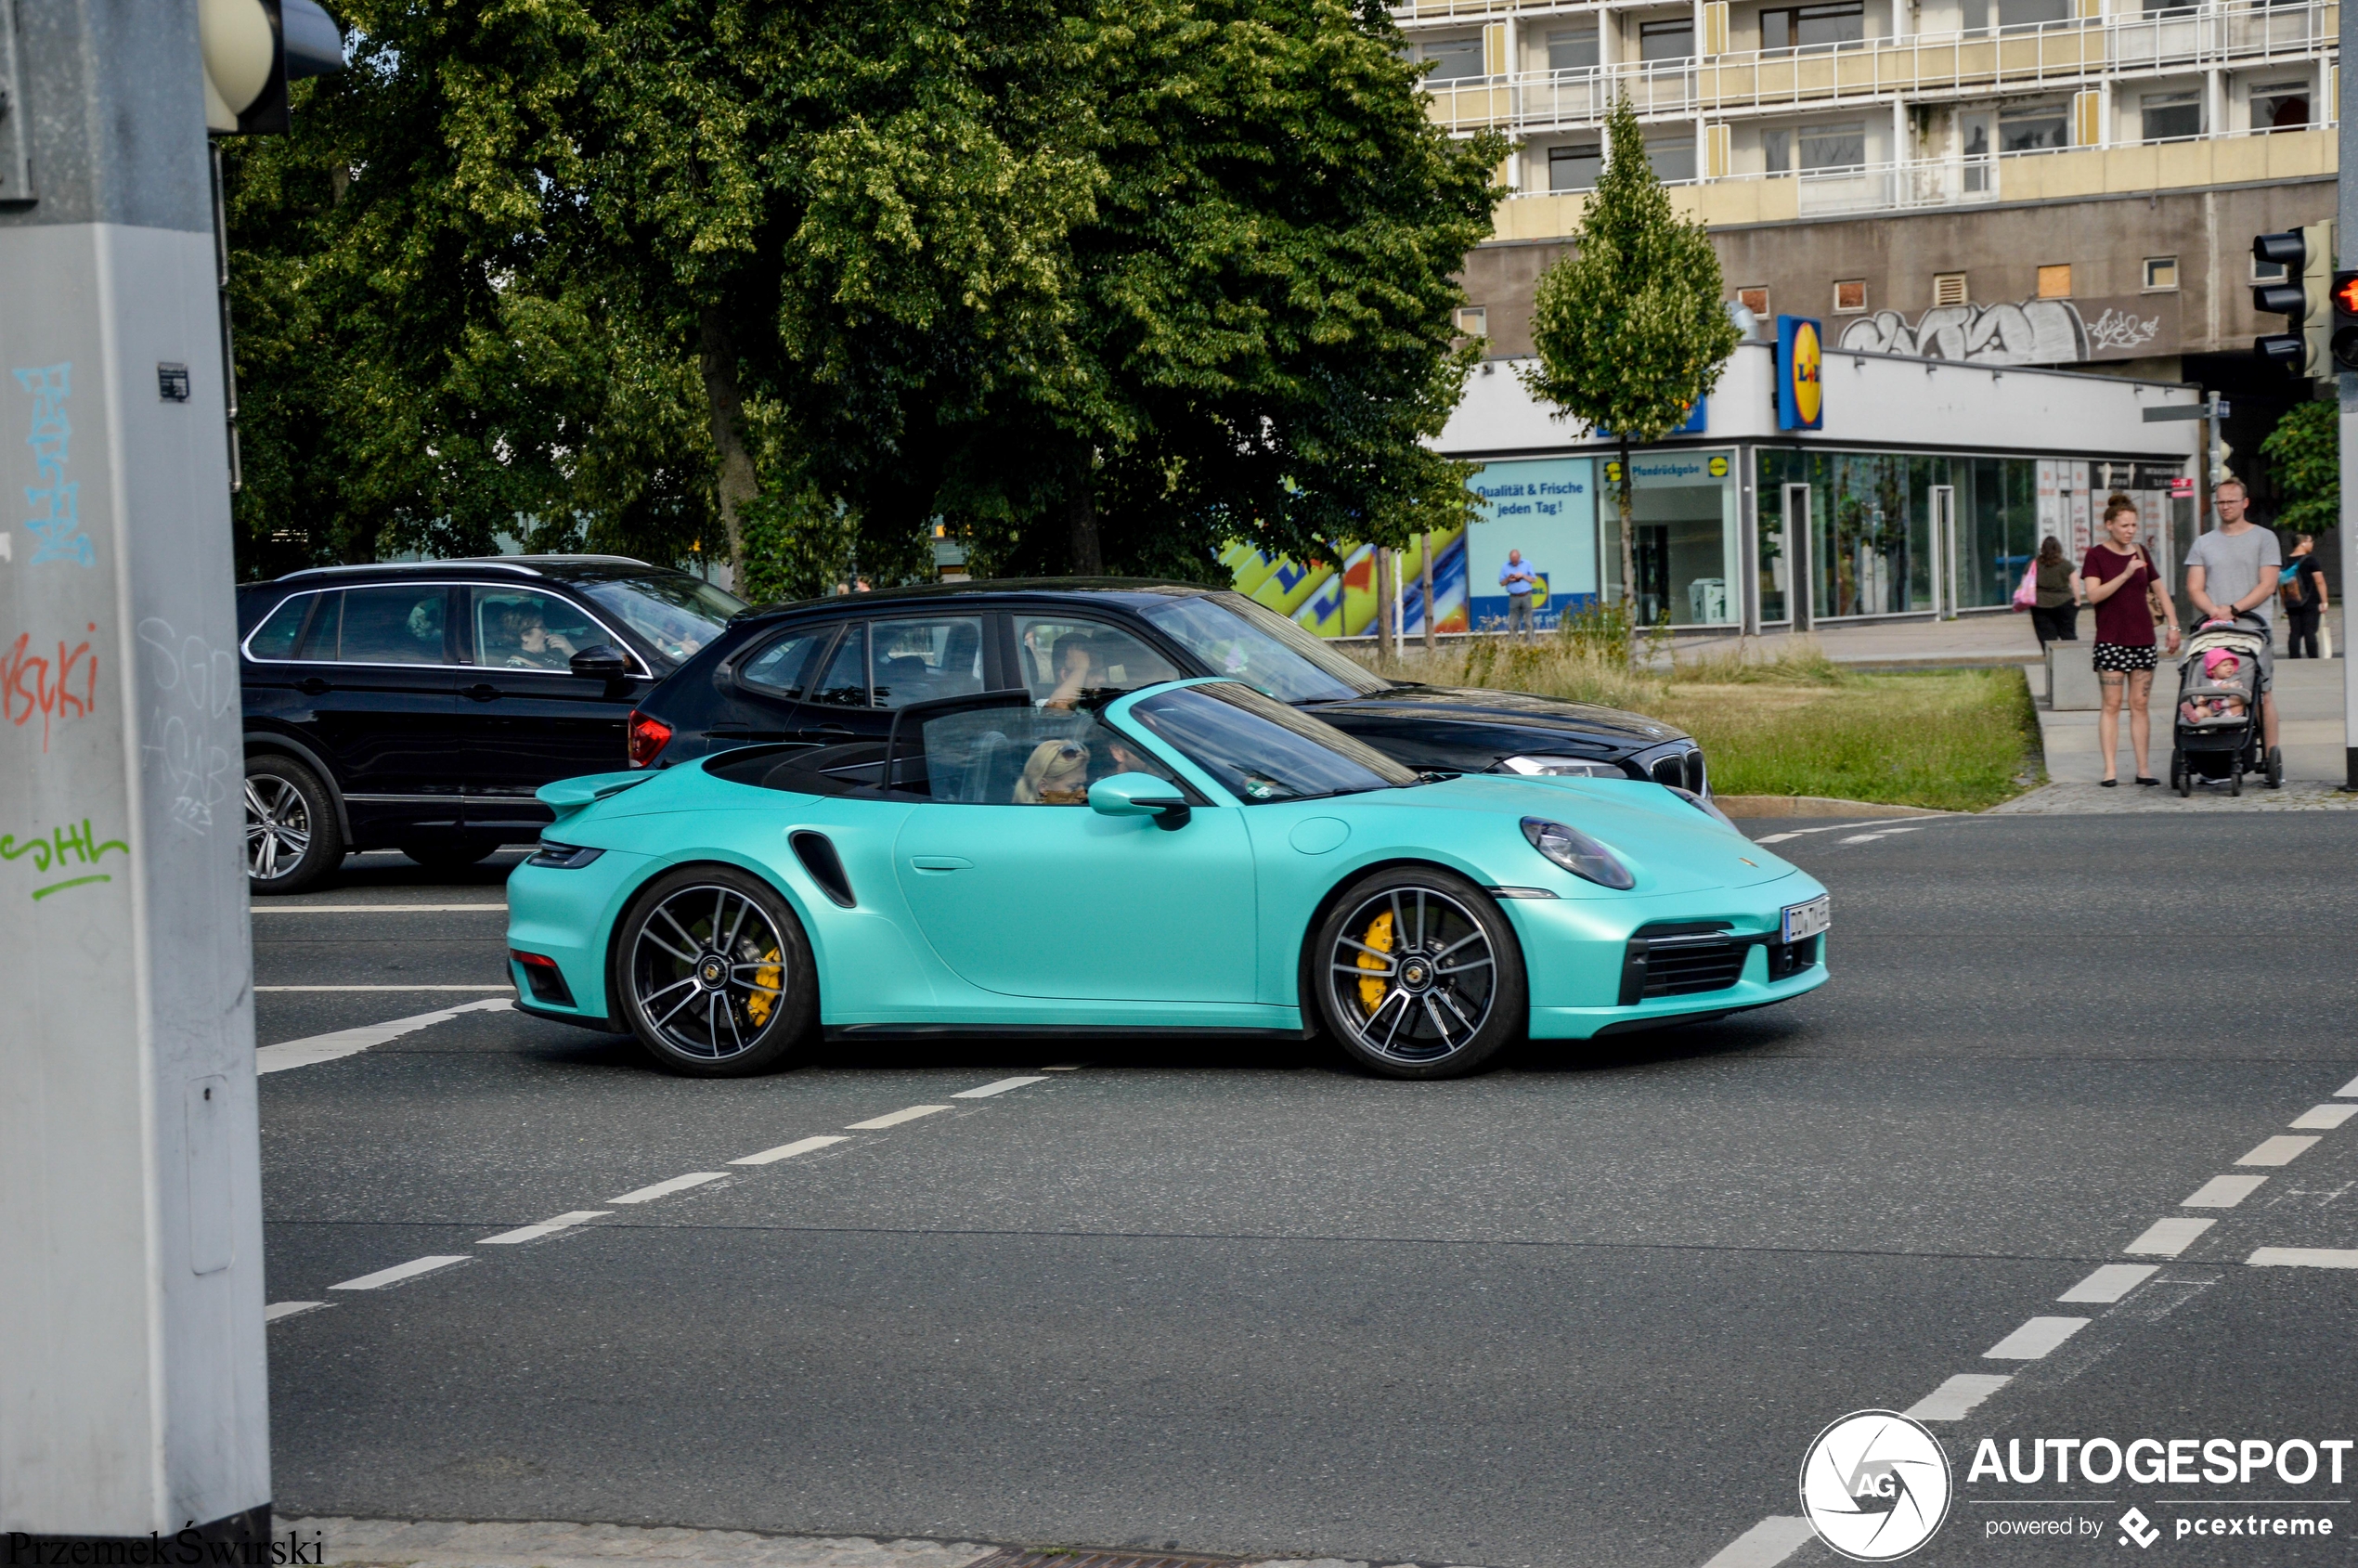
{"points": [[1671, 770], [1695, 771], [1682, 960]]}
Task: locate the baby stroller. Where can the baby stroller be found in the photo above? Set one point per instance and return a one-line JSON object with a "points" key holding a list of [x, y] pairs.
{"points": [[2217, 729]]}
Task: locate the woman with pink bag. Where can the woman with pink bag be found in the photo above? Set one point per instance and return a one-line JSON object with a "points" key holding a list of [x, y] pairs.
{"points": [[2055, 592]]}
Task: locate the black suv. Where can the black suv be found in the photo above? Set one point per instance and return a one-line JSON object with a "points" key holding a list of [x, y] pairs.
{"points": [[418, 707], [831, 670]]}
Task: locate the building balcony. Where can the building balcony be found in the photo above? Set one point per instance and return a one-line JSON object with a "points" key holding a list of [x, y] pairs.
{"points": [[1937, 183], [2075, 53]]}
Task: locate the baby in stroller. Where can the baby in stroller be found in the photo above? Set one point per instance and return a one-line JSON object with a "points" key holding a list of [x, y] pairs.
{"points": [[2218, 692]]}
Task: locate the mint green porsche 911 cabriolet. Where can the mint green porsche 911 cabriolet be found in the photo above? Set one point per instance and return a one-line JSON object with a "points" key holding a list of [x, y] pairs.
{"points": [[1193, 857]]}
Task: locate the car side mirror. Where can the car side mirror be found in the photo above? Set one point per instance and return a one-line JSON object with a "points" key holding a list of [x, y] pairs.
{"points": [[1139, 795], [601, 661]]}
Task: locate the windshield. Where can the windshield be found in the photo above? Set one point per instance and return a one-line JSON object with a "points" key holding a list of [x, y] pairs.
{"points": [[676, 613], [1234, 636], [1260, 751]]}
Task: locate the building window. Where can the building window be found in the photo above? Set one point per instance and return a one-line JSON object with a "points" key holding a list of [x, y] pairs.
{"points": [[1777, 147], [2283, 106], [2054, 282], [1754, 300], [1575, 168], [1670, 39], [1850, 296], [2161, 274], [1809, 27], [2170, 116], [2032, 13], [1673, 158], [1473, 321], [1839, 145], [2033, 130], [1454, 60], [1948, 288], [1573, 48]]}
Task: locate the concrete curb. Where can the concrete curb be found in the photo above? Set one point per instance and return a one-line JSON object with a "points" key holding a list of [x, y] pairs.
{"points": [[1814, 806]]}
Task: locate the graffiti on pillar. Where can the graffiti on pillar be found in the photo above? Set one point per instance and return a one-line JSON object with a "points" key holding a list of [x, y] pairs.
{"points": [[30, 682], [58, 523], [69, 849]]}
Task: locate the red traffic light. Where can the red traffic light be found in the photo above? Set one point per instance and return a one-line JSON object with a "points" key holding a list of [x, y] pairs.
{"points": [[2346, 294]]}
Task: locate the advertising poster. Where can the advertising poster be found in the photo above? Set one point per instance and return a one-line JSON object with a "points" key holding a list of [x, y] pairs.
{"points": [[1547, 509]]}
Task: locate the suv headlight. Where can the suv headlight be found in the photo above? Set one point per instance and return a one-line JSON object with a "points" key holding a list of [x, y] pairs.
{"points": [[1563, 768], [1577, 853]]}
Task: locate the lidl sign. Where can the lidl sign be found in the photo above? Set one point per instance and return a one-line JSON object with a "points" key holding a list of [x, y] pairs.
{"points": [[1801, 388]]}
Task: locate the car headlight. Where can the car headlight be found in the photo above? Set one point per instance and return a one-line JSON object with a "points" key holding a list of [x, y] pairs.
{"points": [[1562, 768], [1576, 852], [562, 856], [1699, 804]]}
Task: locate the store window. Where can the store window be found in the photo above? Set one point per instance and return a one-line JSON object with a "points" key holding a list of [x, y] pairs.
{"points": [[1683, 538], [1670, 39], [2280, 106], [1809, 27], [2170, 116], [1870, 545], [1573, 48], [1575, 167]]}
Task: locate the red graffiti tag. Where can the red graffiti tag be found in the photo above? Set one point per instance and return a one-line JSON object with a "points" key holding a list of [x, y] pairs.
{"points": [[30, 683]]}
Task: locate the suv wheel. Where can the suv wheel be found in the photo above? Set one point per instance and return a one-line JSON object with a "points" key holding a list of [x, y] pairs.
{"points": [[292, 839]]}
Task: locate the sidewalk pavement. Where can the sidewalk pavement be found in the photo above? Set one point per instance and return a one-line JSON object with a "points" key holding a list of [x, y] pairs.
{"points": [[2309, 706]]}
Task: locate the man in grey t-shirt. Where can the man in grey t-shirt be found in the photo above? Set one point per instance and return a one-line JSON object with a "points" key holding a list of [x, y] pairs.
{"points": [[2233, 569]]}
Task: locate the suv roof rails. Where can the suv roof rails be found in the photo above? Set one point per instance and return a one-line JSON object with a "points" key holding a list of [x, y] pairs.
{"points": [[522, 565]]}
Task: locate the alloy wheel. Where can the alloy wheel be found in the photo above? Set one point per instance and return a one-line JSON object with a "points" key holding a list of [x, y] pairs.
{"points": [[707, 972], [1413, 975], [277, 827]]}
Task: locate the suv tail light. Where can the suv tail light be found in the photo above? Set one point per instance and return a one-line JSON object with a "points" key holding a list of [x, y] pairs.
{"points": [[648, 737]]}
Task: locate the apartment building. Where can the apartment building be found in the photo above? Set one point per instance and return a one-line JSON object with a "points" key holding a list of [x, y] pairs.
{"points": [[2069, 182]]}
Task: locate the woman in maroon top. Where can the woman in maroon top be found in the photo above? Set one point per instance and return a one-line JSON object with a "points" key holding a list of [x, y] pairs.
{"points": [[2122, 587]]}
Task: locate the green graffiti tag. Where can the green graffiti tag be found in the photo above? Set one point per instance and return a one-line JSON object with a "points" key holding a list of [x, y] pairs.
{"points": [[58, 850]]}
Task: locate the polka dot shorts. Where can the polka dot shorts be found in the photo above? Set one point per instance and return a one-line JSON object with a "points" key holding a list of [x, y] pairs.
{"points": [[2122, 657]]}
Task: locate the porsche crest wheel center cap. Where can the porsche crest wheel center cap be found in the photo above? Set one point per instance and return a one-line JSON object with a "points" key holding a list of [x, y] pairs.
{"points": [[1416, 975], [712, 972]]}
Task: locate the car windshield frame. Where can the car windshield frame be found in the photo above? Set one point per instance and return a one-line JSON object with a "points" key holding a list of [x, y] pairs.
{"points": [[1330, 677], [1176, 716], [675, 598]]}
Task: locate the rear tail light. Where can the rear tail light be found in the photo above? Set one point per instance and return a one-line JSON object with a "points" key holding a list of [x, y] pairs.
{"points": [[648, 737]]}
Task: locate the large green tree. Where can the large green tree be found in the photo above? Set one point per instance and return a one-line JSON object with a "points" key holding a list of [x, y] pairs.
{"points": [[1629, 326], [2304, 457]]}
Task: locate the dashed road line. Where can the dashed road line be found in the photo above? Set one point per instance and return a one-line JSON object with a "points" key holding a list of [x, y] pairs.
{"points": [[2324, 1117], [1953, 1400], [1000, 1087], [2222, 1192], [319, 1048], [2167, 1238], [277, 1310], [546, 1227], [1766, 1544], [2282, 1149], [665, 1188], [1835, 827], [2304, 1257], [2347, 1090], [2110, 1282], [2035, 1339], [787, 1152], [893, 1119], [400, 1272]]}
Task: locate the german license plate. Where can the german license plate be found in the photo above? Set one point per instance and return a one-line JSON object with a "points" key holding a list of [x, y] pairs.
{"points": [[1803, 921]]}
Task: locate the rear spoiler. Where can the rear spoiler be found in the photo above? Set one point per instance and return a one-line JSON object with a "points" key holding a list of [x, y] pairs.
{"points": [[569, 798]]}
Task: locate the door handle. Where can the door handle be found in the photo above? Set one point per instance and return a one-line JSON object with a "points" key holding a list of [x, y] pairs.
{"points": [[312, 686], [941, 863], [482, 691]]}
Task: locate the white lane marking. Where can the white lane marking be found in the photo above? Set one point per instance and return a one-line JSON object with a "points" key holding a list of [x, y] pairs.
{"points": [[2222, 1192], [351, 1042], [2324, 1117], [400, 1272], [277, 1310], [787, 1152], [1001, 1087], [368, 909], [665, 1189], [1835, 827], [2282, 1149], [264, 989], [2035, 1339], [1065, 1066], [2167, 1238], [1952, 1400], [2110, 1282], [546, 1227], [2347, 1089], [1860, 839], [2305, 1257], [893, 1119], [1766, 1544]]}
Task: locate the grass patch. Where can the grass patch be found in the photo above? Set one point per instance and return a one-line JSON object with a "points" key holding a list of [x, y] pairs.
{"points": [[1955, 740]]}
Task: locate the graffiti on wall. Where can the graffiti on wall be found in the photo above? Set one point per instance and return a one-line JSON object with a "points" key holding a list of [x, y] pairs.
{"points": [[2029, 332]]}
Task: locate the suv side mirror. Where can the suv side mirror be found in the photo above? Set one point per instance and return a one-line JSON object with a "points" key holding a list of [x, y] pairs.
{"points": [[1139, 795], [601, 661]]}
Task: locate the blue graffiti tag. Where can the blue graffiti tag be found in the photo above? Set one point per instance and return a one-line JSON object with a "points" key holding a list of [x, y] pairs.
{"points": [[58, 527]]}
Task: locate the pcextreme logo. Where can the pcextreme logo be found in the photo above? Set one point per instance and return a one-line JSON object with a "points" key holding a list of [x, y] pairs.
{"points": [[1875, 1485]]}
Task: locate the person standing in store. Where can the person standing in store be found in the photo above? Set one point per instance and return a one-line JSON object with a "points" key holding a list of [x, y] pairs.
{"points": [[1520, 581], [2305, 599], [2055, 615], [2121, 583]]}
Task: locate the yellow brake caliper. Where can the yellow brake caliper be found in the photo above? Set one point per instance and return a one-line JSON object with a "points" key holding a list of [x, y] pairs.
{"points": [[769, 982], [1371, 992]]}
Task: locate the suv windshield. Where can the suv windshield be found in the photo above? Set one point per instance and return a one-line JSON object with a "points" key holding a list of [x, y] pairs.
{"points": [[1235, 637], [676, 613], [1260, 751]]}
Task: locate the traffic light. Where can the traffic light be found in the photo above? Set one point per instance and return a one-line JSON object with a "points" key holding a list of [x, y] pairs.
{"points": [[2305, 299], [2345, 341], [252, 48]]}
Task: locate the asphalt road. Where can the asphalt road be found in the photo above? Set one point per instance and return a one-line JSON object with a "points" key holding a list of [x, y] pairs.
{"points": [[1590, 1308]]}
